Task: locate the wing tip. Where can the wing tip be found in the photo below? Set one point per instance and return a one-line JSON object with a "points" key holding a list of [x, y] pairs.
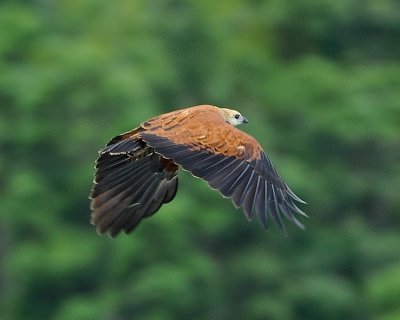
{"points": [[294, 196], [275, 203]]}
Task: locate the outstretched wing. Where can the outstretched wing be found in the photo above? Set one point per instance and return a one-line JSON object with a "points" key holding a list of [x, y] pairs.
{"points": [[230, 161], [131, 182]]}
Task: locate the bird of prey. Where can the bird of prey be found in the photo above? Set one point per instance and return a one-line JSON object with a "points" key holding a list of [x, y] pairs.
{"points": [[137, 171]]}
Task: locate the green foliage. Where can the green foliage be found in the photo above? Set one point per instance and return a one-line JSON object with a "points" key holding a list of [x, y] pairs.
{"points": [[383, 290], [319, 82]]}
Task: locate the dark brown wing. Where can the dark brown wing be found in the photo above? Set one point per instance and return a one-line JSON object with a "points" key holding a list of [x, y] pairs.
{"points": [[131, 182], [254, 186], [230, 161]]}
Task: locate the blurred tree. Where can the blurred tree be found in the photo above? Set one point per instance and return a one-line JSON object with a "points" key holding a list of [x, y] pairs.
{"points": [[320, 80]]}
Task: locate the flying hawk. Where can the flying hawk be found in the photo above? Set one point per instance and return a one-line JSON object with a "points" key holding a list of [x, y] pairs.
{"points": [[137, 171]]}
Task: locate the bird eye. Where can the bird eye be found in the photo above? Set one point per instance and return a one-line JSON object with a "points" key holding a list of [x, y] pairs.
{"points": [[237, 116]]}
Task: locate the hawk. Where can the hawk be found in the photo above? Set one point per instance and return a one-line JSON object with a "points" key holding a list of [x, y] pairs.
{"points": [[137, 171]]}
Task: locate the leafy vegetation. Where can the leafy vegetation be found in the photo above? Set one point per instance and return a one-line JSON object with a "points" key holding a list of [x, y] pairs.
{"points": [[319, 82]]}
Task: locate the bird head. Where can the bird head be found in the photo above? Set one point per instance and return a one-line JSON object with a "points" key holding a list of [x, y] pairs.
{"points": [[233, 117]]}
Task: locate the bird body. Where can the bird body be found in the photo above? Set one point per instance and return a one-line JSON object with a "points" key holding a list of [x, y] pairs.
{"points": [[137, 171]]}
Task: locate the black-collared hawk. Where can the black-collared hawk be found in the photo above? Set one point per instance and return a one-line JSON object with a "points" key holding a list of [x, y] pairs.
{"points": [[137, 171]]}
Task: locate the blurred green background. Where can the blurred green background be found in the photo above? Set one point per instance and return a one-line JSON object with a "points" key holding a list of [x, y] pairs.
{"points": [[319, 82]]}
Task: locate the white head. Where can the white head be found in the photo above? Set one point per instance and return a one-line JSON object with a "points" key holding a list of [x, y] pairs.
{"points": [[233, 117]]}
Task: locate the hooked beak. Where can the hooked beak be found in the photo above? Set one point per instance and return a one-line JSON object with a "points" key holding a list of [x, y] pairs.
{"points": [[245, 120]]}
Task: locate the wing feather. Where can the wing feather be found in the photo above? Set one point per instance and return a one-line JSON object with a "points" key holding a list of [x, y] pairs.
{"points": [[229, 186], [273, 205], [262, 205], [240, 189], [226, 175], [228, 190], [110, 204], [104, 165], [212, 171], [122, 177], [249, 200], [131, 183], [137, 206], [123, 145], [248, 178], [201, 161], [186, 161], [165, 192]]}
